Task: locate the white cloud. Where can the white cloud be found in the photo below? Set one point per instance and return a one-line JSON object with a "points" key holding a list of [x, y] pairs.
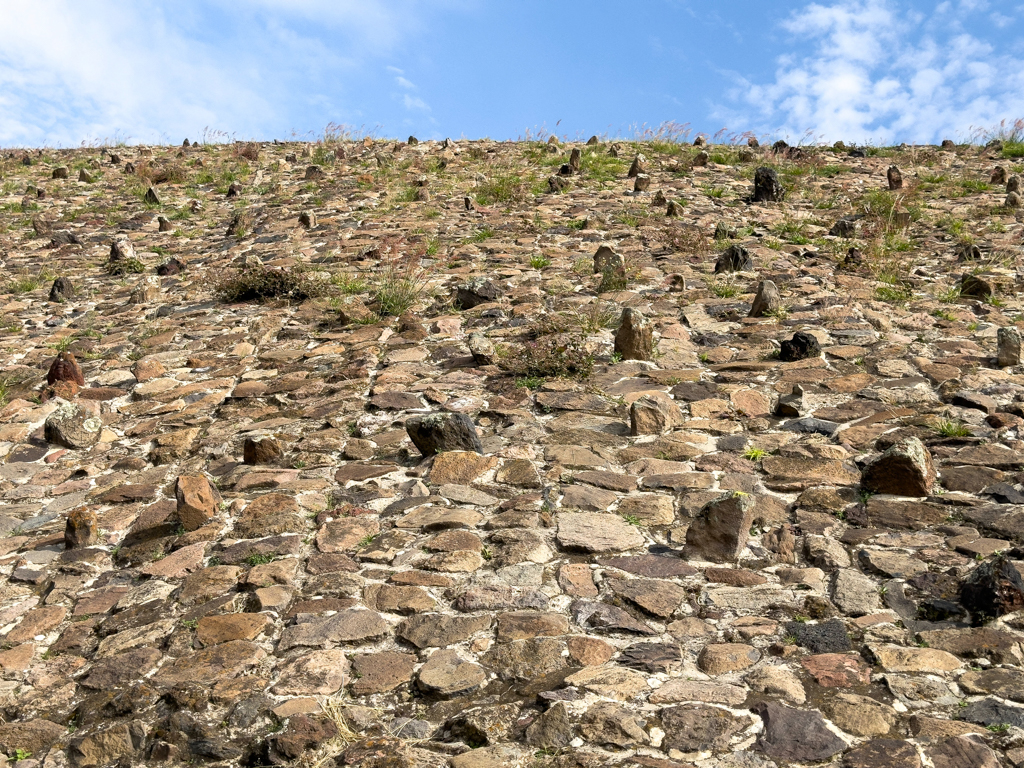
{"points": [[404, 83], [152, 70], [877, 72], [415, 103]]}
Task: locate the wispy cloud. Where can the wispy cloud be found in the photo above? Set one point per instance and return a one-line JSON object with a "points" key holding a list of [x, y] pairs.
{"points": [[876, 70], [74, 70], [415, 103]]}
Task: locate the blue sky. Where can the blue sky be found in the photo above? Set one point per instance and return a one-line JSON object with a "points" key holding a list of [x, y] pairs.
{"points": [[153, 70]]}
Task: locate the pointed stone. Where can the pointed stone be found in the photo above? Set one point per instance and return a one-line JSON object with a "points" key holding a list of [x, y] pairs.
{"points": [[767, 299], [1009, 347], [634, 339]]}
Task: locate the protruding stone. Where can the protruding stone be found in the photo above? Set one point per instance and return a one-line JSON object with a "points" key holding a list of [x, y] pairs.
{"points": [[642, 183], [993, 589], [261, 450], [802, 346], [197, 501], [173, 266], [72, 427], [905, 469], [307, 219], [1013, 184], [654, 414], [81, 529], [791, 406], [767, 188], [151, 197], [638, 166], [164, 224], [736, 258], [481, 348], [975, 287], [998, 175], [477, 291], [634, 339], [65, 368], [437, 432], [720, 532], [1009, 346], [575, 156], [894, 177], [60, 172], [767, 299]]}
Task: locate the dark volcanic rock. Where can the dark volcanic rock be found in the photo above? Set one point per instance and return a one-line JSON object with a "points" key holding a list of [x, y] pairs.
{"points": [[993, 589], [800, 347], [767, 187], [437, 432]]}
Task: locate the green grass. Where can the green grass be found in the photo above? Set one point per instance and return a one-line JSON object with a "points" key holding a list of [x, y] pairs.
{"points": [[722, 289], [974, 185], [24, 284], [484, 234], [893, 294], [754, 454], [713, 191], [599, 166], [349, 284], [539, 261], [950, 428], [1013, 149], [950, 296], [530, 382], [509, 187]]}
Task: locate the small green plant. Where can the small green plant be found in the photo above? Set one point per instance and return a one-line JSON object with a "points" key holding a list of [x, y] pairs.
{"points": [[539, 261], [943, 314], [486, 553], [259, 284], [401, 280], [616, 357], [995, 301], [632, 520], [754, 454], [530, 382], [864, 496], [349, 284], [367, 540], [998, 727], [121, 267], [24, 284], [21, 754], [950, 428], [190, 623], [722, 289], [893, 294], [257, 559]]}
